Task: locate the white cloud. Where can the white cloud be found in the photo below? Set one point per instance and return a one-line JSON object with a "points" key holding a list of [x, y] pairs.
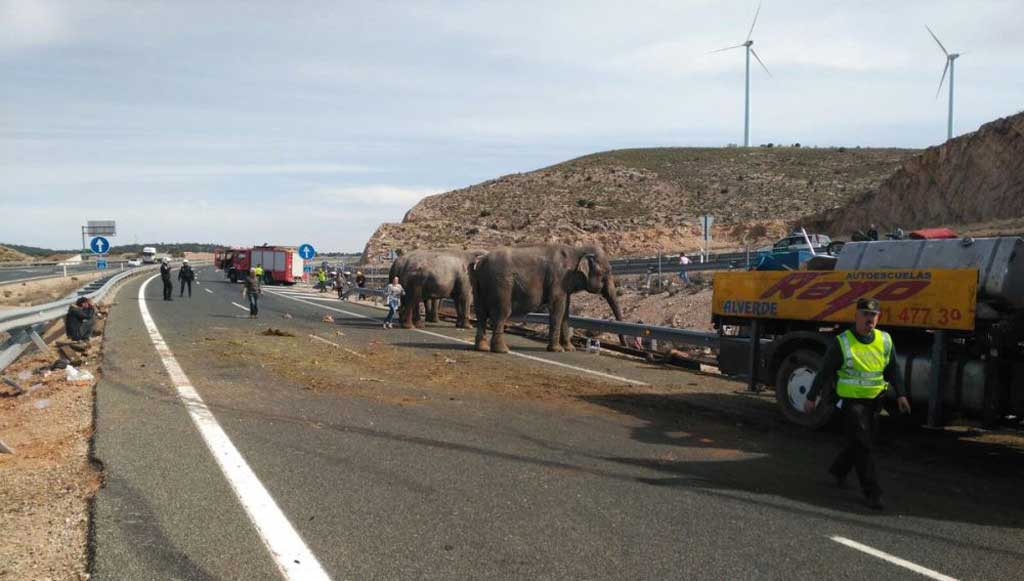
{"points": [[66, 174], [31, 23]]}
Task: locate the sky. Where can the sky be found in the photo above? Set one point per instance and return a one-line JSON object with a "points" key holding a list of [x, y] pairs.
{"points": [[289, 122]]}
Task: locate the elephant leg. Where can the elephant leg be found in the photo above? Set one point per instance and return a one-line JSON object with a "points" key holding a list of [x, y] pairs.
{"points": [[481, 328], [499, 317], [432, 306], [462, 311], [556, 312], [411, 316], [566, 335]]}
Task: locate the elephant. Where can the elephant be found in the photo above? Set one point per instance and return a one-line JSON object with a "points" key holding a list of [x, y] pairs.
{"points": [[431, 275], [514, 281]]}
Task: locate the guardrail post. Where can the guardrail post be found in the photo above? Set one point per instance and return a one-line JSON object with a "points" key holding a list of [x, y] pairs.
{"points": [[935, 376], [755, 354], [40, 344]]}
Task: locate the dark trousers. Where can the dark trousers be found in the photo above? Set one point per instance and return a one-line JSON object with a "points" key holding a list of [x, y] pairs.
{"points": [[83, 332], [860, 428], [185, 283], [168, 290], [254, 304]]}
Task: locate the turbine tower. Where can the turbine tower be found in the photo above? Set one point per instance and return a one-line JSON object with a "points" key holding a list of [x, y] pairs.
{"points": [[951, 68], [748, 44]]}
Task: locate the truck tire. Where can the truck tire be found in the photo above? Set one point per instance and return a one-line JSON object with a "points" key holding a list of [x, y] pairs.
{"points": [[793, 381]]}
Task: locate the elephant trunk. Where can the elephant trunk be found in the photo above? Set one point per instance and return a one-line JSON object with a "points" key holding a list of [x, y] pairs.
{"points": [[613, 301]]}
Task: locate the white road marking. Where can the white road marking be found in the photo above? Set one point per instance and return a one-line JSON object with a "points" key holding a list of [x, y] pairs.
{"points": [[293, 558], [516, 353], [345, 349], [892, 559], [246, 309], [208, 290]]}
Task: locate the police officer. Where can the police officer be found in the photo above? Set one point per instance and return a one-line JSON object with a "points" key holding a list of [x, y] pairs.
{"points": [[165, 277], [861, 362], [186, 275]]}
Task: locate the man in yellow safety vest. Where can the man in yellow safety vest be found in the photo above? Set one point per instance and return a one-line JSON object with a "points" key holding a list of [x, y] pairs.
{"points": [[862, 363]]}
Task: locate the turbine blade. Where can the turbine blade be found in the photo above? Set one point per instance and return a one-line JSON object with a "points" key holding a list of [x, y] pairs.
{"points": [[761, 63], [726, 48], [942, 80], [755, 21], [937, 40]]}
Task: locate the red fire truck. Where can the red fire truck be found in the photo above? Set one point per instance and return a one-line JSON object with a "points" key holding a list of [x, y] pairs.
{"points": [[281, 264]]}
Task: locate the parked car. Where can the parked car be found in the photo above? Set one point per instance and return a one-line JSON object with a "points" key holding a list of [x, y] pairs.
{"points": [[135, 262], [796, 241]]}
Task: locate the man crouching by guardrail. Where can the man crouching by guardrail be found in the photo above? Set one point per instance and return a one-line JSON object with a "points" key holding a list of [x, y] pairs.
{"points": [[80, 320]]}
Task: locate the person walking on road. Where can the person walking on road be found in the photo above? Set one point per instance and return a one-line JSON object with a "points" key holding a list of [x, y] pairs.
{"points": [[683, 274], [861, 362], [361, 283], [321, 279], [393, 294], [186, 275], [165, 277], [252, 289]]}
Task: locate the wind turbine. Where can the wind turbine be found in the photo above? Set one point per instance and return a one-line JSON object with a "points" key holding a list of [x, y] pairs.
{"points": [[748, 44], [951, 67]]}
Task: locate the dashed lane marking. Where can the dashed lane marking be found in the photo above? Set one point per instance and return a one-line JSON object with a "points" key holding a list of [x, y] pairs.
{"points": [[208, 290], [293, 558], [244, 308], [516, 353], [892, 559]]}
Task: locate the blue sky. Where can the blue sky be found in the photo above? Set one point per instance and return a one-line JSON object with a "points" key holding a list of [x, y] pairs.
{"points": [[289, 122]]}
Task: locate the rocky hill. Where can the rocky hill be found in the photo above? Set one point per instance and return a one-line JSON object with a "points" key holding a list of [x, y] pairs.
{"points": [[11, 255], [640, 201], [973, 183]]}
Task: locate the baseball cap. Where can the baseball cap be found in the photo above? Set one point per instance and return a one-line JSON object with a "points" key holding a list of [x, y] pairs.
{"points": [[868, 305]]}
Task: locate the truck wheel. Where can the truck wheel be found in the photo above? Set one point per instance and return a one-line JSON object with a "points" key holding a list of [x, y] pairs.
{"points": [[793, 381]]}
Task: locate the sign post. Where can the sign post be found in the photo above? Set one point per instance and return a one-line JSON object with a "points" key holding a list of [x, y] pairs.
{"points": [[705, 231]]}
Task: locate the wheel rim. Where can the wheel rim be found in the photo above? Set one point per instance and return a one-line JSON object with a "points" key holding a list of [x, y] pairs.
{"points": [[799, 384]]}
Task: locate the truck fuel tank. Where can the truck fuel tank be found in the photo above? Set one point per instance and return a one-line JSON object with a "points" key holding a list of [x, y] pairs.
{"points": [[998, 260]]}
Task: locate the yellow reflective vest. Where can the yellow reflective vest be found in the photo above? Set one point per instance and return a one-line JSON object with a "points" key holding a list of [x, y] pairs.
{"points": [[861, 377]]}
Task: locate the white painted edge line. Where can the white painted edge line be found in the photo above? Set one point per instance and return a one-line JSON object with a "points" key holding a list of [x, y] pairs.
{"points": [[244, 308], [892, 559], [291, 555], [208, 290], [516, 353]]}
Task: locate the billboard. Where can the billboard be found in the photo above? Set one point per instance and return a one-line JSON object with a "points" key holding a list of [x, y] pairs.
{"points": [[100, 228]]}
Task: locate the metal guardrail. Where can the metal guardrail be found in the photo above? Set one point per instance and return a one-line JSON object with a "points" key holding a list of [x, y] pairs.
{"points": [[690, 337], [24, 324]]}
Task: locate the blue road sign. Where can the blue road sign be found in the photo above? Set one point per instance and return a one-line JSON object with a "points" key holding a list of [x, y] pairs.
{"points": [[307, 251], [101, 264], [307, 268], [99, 245]]}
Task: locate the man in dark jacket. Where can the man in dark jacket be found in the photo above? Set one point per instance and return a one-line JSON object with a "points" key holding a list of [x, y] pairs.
{"points": [[186, 275], [862, 364], [165, 277], [80, 320]]}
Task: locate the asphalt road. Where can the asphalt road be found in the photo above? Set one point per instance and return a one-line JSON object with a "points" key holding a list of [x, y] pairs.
{"points": [[415, 480]]}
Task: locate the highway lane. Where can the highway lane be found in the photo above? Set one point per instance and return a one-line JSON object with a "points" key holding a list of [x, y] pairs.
{"points": [[409, 478]]}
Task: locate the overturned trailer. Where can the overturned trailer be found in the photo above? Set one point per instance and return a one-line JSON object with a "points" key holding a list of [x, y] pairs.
{"points": [[955, 309]]}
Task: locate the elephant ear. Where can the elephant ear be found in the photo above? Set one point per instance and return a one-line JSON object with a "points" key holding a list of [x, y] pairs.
{"points": [[585, 265]]}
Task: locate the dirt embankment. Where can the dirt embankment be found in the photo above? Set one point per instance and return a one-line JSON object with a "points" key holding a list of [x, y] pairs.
{"points": [[973, 183], [640, 201], [36, 292]]}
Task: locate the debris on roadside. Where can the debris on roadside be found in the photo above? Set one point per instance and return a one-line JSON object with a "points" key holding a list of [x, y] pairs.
{"points": [[371, 379], [272, 332], [286, 316], [75, 375], [12, 384], [327, 319]]}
